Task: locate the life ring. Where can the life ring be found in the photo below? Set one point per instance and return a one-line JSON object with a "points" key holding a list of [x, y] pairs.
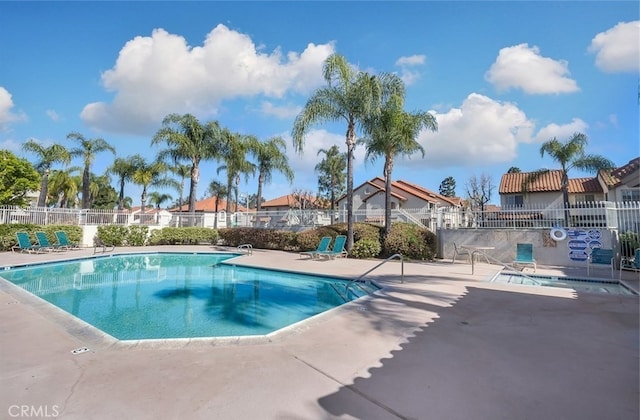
{"points": [[558, 234]]}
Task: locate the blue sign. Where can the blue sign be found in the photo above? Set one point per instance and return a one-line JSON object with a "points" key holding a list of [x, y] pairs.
{"points": [[594, 234], [577, 244], [595, 244], [578, 255]]}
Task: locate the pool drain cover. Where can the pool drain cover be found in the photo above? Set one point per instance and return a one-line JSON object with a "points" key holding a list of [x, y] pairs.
{"points": [[80, 350]]}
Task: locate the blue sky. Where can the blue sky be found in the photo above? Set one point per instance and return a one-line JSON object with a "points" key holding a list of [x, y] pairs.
{"points": [[500, 77]]}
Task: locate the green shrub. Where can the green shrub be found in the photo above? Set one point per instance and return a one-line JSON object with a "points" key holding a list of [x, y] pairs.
{"points": [[360, 231], [629, 242], [259, 238], [115, 235], [308, 239], [137, 235], [366, 248], [412, 241], [183, 236]]}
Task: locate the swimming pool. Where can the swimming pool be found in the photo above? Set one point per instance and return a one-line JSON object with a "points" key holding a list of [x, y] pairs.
{"points": [[177, 295], [578, 284]]}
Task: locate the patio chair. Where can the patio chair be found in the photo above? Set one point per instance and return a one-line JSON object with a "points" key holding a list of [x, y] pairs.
{"points": [[600, 256], [323, 246], [99, 243], [24, 244], [524, 256], [337, 250], [63, 240], [457, 252], [45, 245], [632, 263]]}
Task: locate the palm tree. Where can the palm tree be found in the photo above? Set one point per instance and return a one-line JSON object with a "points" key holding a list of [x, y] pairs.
{"points": [[63, 185], [331, 177], [188, 140], [350, 96], [87, 150], [570, 155], [391, 133], [182, 171], [47, 156], [157, 198], [271, 157], [219, 191], [123, 168], [234, 155], [146, 175]]}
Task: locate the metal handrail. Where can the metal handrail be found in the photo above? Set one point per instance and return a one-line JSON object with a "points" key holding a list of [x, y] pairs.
{"points": [[388, 259], [505, 265], [247, 247]]}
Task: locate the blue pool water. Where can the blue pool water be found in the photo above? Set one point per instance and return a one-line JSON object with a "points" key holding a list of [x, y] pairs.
{"points": [[579, 285], [153, 296]]}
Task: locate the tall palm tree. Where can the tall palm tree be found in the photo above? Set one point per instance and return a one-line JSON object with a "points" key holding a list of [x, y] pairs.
{"points": [[182, 171], [149, 174], [123, 168], [350, 96], [570, 154], [88, 149], [64, 186], [47, 156], [331, 170], [156, 198], [219, 191], [271, 157], [391, 133], [189, 140], [234, 155]]}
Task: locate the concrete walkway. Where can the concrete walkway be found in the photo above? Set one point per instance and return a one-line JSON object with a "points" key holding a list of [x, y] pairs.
{"points": [[442, 345]]}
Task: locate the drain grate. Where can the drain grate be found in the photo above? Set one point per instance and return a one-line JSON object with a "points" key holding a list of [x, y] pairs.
{"points": [[80, 350]]}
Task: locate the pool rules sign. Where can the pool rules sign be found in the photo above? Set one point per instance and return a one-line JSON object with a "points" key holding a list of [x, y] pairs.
{"points": [[581, 242]]}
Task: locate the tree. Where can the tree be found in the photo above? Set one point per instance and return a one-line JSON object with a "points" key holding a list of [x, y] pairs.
{"points": [[103, 195], [149, 174], [350, 96], [123, 168], [570, 155], [17, 178], [182, 171], [234, 155], [156, 198], [64, 186], [46, 156], [88, 149], [331, 174], [393, 133], [189, 140], [271, 157], [514, 170], [479, 192], [219, 191], [448, 187]]}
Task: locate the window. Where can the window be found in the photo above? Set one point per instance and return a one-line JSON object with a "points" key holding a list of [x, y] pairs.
{"points": [[589, 198], [514, 200], [630, 195]]}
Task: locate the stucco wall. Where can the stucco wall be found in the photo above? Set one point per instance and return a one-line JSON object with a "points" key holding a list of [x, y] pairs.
{"points": [[546, 251]]}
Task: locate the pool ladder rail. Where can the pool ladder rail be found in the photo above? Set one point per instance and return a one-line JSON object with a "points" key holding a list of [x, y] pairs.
{"points": [[246, 248]]}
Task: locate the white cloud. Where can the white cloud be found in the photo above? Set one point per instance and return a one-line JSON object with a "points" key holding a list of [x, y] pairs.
{"points": [[407, 74], [618, 49], [12, 146], [561, 132], [7, 116], [522, 67], [53, 115], [290, 111], [481, 132], [161, 74]]}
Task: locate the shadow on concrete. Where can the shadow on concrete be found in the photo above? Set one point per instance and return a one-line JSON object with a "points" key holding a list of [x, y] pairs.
{"points": [[507, 355]]}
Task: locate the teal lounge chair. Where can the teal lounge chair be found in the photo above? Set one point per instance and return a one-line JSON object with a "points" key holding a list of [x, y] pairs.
{"points": [[632, 263], [25, 244], [600, 256], [323, 246], [46, 245], [337, 250], [524, 256], [63, 240]]}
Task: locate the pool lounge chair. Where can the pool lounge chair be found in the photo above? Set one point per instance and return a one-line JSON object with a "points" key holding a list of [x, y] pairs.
{"points": [[632, 263], [323, 246], [63, 240], [45, 245], [24, 244], [524, 256], [337, 250], [98, 243], [459, 252], [600, 256]]}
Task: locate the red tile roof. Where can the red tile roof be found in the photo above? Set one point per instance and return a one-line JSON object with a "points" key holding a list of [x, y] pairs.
{"points": [[209, 205], [615, 177], [549, 181]]}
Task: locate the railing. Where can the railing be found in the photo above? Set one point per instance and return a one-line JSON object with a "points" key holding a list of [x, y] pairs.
{"points": [[383, 262]]}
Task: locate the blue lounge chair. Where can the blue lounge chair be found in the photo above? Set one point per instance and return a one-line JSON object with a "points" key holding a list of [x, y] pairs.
{"points": [[600, 256], [337, 250], [524, 255], [323, 246], [63, 240], [25, 244], [632, 263], [46, 245]]}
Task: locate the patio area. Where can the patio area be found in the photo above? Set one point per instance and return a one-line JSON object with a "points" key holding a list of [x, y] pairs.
{"points": [[443, 344]]}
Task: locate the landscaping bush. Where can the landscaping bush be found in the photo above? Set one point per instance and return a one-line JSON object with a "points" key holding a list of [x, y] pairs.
{"points": [[629, 242], [183, 236], [412, 241], [259, 238], [115, 235], [366, 248], [308, 239], [360, 231], [137, 235]]}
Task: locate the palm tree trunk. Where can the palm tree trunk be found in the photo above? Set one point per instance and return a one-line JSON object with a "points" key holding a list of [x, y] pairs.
{"points": [[259, 195], [193, 188], [565, 198], [143, 199], [42, 198], [85, 187], [387, 198], [351, 142], [121, 195]]}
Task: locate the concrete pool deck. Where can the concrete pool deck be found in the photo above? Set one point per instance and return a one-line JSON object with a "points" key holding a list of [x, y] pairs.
{"points": [[442, 345]]}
